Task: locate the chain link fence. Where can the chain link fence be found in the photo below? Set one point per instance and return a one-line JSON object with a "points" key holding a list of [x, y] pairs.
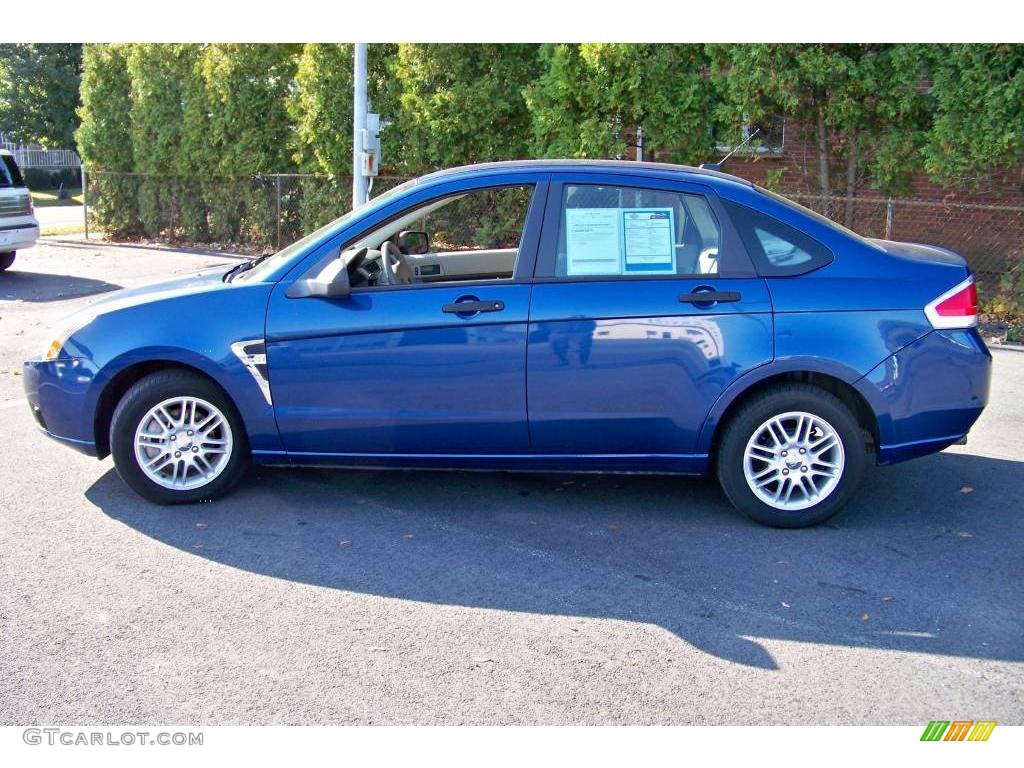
{"points": [[990, 236], [268, 212], [253, 213]]}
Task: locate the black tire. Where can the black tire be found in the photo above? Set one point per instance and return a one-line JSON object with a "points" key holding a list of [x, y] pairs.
{"points": [[145, 395], [6, 259], [779, 400]]}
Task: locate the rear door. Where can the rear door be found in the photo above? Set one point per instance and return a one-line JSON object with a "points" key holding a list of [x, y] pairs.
{"points": [[645, 308]]}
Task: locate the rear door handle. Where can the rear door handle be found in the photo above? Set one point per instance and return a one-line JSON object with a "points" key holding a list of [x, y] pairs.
{"points": [[709, 297], [472, 307]]}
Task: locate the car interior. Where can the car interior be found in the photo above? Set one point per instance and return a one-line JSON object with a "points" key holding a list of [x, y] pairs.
{"points": [[474, 236]]}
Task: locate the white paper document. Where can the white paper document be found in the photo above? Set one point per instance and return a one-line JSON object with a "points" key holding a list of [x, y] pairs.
{"points": [[592, 240], [619, 241]]}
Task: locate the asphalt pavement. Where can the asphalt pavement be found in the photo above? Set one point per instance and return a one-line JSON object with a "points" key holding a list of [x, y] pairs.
{"points": [[332, 597], [59, 215]]}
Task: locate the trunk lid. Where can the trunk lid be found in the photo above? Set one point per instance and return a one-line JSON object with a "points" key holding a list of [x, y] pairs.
{"points": [[920, 252]]}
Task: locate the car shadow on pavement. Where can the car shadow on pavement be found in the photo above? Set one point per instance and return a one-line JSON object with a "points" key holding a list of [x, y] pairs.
{"points": [[42, 287], [926, 559]]}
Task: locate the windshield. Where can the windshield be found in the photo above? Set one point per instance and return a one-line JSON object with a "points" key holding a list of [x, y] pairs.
{"points": [[270, 265], [814, 214]]}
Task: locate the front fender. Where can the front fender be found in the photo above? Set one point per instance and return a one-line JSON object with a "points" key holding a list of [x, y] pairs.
{"points": [[194, 328], [227, 370]]}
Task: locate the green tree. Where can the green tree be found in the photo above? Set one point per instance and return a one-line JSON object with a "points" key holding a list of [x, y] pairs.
{"points": [[460, 104], [862, 105], [160, 75], [321, 108], [247, 85], [248, 133], [105, 138], [590, 100], [978, 123], [39, 84]]}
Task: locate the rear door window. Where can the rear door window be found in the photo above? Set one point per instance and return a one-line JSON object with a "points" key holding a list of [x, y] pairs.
{"points": [[10, 176], [636, 232]]}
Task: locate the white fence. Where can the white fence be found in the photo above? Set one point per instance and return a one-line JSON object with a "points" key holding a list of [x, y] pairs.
{"points": [[34, 156]]}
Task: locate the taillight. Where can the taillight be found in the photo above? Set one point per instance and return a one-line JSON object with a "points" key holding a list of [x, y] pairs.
{"points": [[956, 308]]}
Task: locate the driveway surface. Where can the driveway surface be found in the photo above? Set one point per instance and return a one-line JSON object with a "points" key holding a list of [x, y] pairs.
{"points": [[330, 597]]}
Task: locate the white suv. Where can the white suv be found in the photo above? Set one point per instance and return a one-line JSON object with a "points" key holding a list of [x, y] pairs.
{"points": [[18, 226]]}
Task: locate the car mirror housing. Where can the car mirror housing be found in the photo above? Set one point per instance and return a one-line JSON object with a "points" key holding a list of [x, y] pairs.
{"points": [[331, 282]]}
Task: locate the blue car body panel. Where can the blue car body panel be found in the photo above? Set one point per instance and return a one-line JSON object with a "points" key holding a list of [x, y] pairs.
{"points": [[395, 374], [168, 322], [932, 391], [572, 375], [624, 367]]}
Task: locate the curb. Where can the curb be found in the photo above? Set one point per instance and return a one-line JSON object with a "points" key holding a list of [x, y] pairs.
{"points": [[1006, 347]]}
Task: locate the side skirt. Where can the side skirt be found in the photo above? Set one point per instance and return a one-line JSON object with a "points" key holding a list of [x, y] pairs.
{"points": [[657, 464]]}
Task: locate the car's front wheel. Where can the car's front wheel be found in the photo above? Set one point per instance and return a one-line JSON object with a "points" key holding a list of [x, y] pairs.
{"points": [[6, 259], [177, 438], [792, 456]]}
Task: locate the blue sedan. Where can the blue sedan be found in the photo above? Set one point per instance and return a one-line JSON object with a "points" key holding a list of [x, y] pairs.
{"points": [[568, 316]]}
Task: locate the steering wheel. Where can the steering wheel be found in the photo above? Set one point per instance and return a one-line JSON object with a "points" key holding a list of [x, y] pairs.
{"points": [[393, 266]]}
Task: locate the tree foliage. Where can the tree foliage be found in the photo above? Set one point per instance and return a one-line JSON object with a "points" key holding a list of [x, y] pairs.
{"points": [[105, 137], [589, 100], [160, 75], [39, 85], [460, 104], [247, 85], [978, 93], [216, 118]]}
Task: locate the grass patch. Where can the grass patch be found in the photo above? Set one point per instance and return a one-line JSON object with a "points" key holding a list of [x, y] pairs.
{"points": [[49, 198], [63, 229]]}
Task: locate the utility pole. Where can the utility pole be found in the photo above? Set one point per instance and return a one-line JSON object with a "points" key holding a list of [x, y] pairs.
{"points": [[360, 191], [639, 143]]}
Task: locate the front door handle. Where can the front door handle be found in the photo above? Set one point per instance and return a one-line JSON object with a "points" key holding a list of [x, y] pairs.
{"points": [[709, 297], [473, 307]]}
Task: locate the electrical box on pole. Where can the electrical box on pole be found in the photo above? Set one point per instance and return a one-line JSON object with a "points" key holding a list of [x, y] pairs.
{"points": [[369, 160]]}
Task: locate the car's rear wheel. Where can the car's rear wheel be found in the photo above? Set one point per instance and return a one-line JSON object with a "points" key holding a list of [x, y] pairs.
{"points": [[6, 259], [792, 456], [177, 438]]}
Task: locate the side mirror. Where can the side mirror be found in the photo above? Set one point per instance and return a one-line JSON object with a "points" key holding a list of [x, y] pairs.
{"points": [[331, 282], [413, 243]]}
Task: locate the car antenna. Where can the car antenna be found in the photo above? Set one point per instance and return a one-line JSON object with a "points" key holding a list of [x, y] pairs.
{"points": [[718, 166]]}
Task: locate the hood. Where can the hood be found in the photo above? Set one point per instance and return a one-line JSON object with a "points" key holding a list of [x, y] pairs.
{"points": [[207, 280]]}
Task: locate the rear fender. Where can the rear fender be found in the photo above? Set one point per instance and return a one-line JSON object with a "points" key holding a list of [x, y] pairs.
{"points": [[780, 369]]}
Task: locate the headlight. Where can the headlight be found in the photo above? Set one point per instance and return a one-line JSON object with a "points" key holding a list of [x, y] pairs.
{"points": [[54, 349], [58, 340], [57, 344]]}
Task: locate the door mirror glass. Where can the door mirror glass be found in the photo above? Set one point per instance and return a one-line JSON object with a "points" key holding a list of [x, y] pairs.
{"points": [[413, 243]]}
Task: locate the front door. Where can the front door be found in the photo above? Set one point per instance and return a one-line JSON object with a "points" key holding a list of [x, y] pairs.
{"points": [[645, 309], [426, 357]]}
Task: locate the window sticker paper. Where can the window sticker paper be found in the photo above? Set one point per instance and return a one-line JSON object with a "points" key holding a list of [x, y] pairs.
{"points": [[648, 241]]}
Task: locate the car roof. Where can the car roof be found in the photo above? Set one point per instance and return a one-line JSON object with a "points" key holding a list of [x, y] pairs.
{"points": [[6, 152], [613, 166]]}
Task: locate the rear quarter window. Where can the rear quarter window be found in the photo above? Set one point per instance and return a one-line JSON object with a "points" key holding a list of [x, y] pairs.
{"points": [[777, 249]]}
